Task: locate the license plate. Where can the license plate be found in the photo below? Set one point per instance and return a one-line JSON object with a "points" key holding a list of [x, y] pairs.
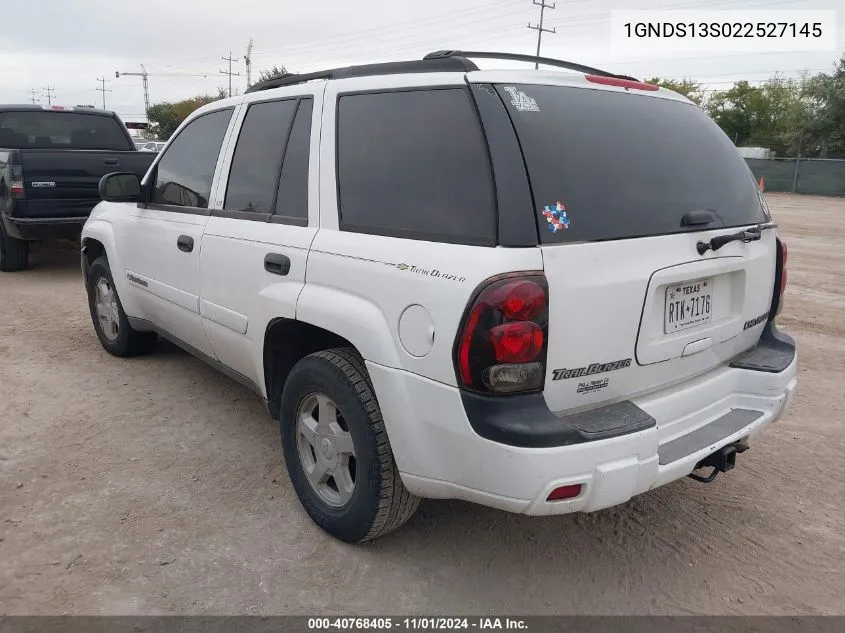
{"points": [[688, 304]]}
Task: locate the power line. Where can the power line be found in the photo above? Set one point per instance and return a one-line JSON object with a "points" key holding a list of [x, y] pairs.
{"points": [[539, 27], [395, 36], [230, 59], [437, 34], [431, 32], [486, 36], [103, 89], [397, 29], [590, 19], [51, 94]]}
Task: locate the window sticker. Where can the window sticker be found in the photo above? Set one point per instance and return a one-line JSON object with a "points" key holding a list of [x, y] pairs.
{"points": [[522, 101], [556, 217]]}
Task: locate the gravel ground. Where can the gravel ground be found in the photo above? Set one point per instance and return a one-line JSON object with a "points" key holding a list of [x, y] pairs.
{"points": [[156, 486]]}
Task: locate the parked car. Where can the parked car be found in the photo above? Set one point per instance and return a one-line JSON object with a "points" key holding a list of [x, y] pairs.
{"points": [[153, 146], [51, 161], [541, 292], [139, 144]]}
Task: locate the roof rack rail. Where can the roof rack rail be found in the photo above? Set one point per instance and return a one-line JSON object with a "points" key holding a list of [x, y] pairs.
{"points": [[441, 64], [547, 61], [439, 61]]}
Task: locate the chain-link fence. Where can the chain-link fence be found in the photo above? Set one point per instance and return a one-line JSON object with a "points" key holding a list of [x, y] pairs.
{"points": [[798, 165], [818, 176]]}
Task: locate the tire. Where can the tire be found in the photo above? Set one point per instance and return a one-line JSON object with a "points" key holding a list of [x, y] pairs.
{"points": [[14, 253], [124, 341], [379, 502]]}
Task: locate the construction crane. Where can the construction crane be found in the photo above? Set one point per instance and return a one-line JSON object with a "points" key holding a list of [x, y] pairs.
{"points": [[248, 61], [144, 75]]}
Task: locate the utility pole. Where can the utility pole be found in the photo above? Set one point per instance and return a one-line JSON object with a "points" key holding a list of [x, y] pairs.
{"points": [[51, 94], [539, 27], [248, 61], [103, 89], [230, 59], [33, 91]]}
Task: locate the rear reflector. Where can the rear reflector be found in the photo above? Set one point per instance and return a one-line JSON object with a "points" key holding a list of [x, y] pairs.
{"points": [[564, 492], [622, 83]]}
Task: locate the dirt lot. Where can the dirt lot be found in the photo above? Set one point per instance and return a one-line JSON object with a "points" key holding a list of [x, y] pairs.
{"points": [[156, 486]]}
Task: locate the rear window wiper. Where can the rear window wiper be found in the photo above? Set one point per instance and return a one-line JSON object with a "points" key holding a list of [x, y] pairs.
{"points": [[748, 235]]}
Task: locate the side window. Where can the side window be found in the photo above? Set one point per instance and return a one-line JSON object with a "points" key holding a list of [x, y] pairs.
{"points": [[292, 197], [186, 169], [257, 161], [414, 164]]}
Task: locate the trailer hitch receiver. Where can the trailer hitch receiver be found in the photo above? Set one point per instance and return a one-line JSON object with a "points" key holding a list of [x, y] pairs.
{"points": [[721, 461]]}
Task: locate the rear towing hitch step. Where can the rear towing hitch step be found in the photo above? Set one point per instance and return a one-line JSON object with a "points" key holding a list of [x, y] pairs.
{"points": [[721, 461]]}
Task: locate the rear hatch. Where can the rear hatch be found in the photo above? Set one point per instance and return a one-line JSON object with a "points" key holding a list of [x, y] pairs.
{"points": [[64, 154], [617, 176]]}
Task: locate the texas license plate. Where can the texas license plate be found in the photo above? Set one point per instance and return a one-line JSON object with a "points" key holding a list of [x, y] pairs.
{"points": [[688, 304]]}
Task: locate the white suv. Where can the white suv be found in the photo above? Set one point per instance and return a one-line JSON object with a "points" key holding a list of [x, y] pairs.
{"points": [[543, 292]]}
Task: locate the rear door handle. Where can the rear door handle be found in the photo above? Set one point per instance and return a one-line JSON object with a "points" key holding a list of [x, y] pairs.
{"points": [[277, 264], [111, 162], [185, 243]]}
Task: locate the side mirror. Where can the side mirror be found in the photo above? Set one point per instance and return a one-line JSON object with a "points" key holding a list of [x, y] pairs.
{"points": [[120, 187]]}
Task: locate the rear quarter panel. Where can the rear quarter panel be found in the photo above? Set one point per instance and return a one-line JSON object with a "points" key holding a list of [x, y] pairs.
{"points": [[362, 286]]}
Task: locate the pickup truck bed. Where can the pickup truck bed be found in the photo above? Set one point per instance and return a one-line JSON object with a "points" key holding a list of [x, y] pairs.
{"points": [[51, 162]]}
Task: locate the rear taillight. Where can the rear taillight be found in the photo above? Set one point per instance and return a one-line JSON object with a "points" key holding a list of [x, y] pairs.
{"points": [[501, 345], [16, 187], [780, 279]]}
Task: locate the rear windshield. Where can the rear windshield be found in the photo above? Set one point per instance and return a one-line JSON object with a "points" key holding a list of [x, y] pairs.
{"points": [[61, 130], [610, 165]]}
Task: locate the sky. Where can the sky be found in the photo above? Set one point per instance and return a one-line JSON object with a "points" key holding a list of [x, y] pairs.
{"points": [[69, 44]]}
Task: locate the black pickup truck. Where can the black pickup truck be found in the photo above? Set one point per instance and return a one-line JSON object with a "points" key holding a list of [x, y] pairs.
{"points": [[51, 162]]}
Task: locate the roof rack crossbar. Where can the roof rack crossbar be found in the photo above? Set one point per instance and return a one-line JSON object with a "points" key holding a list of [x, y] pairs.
{"points": [[547, 61]]}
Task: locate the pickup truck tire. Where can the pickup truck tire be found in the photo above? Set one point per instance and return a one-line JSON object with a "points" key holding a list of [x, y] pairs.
{"points": [[122, 340], [379, 502], [14, 253]]}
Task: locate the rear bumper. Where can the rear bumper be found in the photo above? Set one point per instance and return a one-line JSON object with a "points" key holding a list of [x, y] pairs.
{"points": [[43, 228], [440, 455]]}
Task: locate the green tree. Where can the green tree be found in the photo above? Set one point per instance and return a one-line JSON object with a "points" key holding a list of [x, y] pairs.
{"points": [[167, 116], [825, 129], [692, 90], [772, 115], [270, 73]]}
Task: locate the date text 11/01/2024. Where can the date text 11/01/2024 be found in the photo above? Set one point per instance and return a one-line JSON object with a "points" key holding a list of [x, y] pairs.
{"points": [[416, 623]]}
